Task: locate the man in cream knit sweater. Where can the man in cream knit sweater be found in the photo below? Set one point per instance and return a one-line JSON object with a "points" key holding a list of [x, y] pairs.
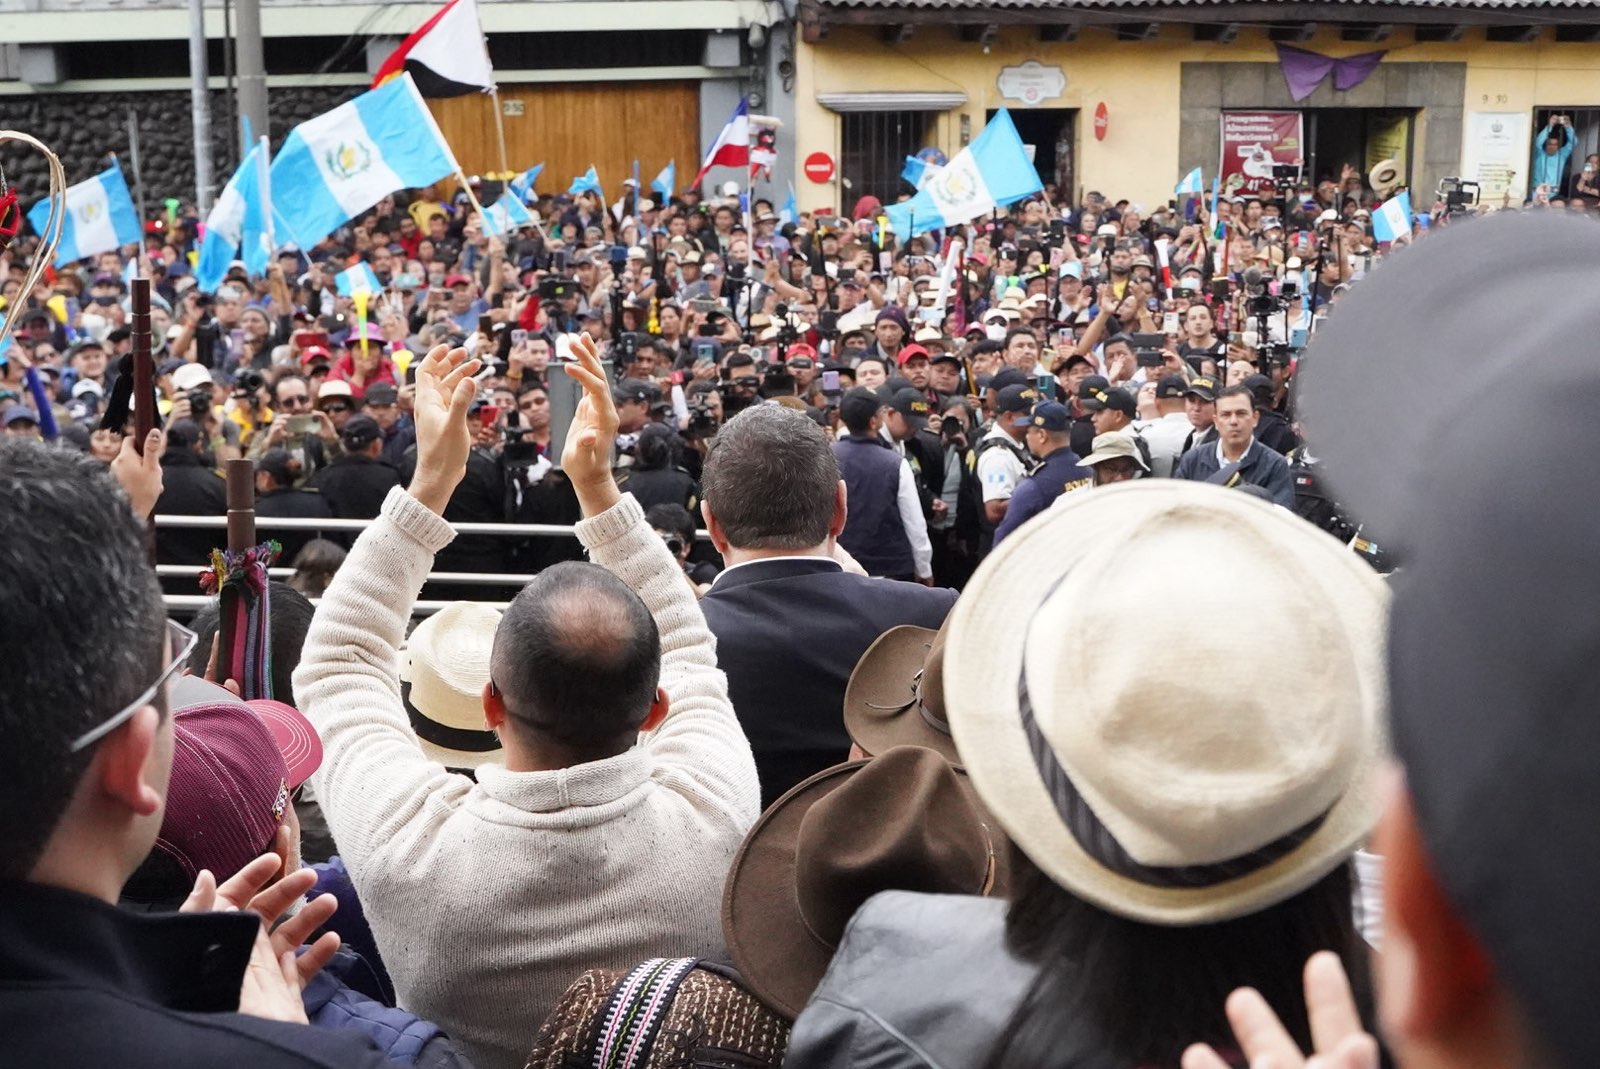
{"points": [[605, 837]]}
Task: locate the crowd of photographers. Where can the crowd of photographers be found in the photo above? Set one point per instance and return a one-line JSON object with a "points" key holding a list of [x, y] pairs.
{"points": [[1078, 821]]}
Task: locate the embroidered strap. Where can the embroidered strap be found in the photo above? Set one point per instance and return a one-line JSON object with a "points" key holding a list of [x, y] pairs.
{"points": [[633, 1013]]}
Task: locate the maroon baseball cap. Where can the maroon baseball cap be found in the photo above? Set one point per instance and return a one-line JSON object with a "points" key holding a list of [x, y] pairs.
{"points": [[234, 766]]}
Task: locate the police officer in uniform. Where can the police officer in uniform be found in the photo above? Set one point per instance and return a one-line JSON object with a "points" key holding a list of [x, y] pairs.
{"points": [[1001, 458], [276, 496], [1315, 504], [1048, 428], [356, 483]]}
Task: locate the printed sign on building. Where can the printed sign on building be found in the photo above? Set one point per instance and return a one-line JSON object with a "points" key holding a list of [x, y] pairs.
{"points": [[1253, 142]]}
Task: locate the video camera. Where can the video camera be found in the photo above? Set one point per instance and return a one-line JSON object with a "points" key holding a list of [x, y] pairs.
{"points": [[558, 289], [1458, 195], [1263, 304], [1285, 176]]}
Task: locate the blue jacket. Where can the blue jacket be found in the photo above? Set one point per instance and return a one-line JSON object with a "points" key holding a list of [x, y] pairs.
{"points": [[1259, 466], [1057, 473], [403, 1037], [1547, 169], [873, 531]]}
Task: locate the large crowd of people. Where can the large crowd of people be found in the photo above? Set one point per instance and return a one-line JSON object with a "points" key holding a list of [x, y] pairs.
{"points": [[1026, 699]]}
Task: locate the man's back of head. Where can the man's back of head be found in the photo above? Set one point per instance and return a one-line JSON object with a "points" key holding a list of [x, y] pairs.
{"points": [[577, 660], [81, 623], [772, 480]]}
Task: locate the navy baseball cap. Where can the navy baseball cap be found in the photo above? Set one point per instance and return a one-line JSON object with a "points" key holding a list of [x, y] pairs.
{"points": [[1047, 416], [1018, 398], [1171, 387]]}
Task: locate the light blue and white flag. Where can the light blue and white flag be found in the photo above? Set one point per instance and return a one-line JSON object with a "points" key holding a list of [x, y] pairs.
{"points": [[504, 215], [994, 170], [587, 182], [1392, 220], [666, 183], [790, 212], [917, 171], [99, 217], [336, 166], [1191, 186], [522, 185], [353, 280], [237, 228]]}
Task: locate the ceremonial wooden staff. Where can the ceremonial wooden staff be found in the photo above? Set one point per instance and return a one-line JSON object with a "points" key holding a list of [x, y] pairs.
{"points": [[241, 538], [144, 415]]}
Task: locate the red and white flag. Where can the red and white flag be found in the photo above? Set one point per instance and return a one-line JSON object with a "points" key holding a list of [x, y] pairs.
{"points": [[732, 147], [447, 57]]}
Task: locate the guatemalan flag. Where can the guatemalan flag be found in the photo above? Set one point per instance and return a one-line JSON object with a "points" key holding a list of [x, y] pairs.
{"points": [[238, 227], [504, 215], [99, 217], [994, 170], [447, 56], [666, 183], [917, 171], [357, 279], [732, 147], [1392, 220], [336, 166], [522, 185]]}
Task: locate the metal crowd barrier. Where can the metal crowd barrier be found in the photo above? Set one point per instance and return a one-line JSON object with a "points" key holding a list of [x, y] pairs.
{"points": [[192, 602]]}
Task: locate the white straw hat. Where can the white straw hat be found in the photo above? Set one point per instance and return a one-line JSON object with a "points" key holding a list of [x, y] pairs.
{"points": [[445, 664], [1172, 771]]}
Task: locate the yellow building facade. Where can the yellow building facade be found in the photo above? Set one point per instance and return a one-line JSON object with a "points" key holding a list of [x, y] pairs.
{"points": [[1447, 98]]}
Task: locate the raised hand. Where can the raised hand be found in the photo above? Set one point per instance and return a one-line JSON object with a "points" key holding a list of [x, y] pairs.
{"points": [[586, 457], [445, 390], [140, 476], [1337, 1035]]}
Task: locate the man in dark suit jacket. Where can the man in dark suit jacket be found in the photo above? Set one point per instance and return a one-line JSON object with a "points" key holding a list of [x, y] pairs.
{"points": [[1237, 457], [791, 620]]}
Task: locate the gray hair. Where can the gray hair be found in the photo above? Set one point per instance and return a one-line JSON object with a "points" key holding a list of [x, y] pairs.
{"points": [[771, 480]]}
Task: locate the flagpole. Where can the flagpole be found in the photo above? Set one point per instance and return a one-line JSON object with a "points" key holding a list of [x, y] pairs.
{"points": [[471, 196], [499, 128]]}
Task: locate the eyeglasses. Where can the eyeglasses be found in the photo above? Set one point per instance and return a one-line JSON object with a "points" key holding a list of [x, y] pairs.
{"points": [[296, 401], [181, 642]]}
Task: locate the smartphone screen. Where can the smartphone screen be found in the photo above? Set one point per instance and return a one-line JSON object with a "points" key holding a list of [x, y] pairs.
{"points": [[830, 382], [1169, 323], [518, 336], [705, 350]]}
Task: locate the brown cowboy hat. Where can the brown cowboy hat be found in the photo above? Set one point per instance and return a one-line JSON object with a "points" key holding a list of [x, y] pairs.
{"points": [[905, 820], [896, 694]]}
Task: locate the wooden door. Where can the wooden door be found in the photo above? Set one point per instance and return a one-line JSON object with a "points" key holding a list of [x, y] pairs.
{"points": [[570, 127]]}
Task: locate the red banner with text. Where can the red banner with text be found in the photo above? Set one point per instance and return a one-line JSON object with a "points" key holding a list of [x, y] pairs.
{"points": [[1253, 142]]}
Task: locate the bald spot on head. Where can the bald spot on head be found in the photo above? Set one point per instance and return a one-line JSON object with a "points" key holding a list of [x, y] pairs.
{"points": [[577, 656]]}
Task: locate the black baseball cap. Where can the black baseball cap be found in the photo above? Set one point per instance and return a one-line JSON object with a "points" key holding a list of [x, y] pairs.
{"points": [[277, 463], [1260, 388], [1072, 360], [1092, 385], [859, 404], [360, 432], [1116, 400], [1491, 630], [636, 390], [1008, 376], [382, 393], [1171, 386], [1017, 398], [913, 404], [1203, 387]]}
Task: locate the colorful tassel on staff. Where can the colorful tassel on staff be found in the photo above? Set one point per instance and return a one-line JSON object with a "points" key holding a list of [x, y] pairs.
{"points": [[249, 663]]}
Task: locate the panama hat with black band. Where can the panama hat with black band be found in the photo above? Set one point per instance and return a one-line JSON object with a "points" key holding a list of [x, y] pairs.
{"points": [[1208, 789], [444, 667]]}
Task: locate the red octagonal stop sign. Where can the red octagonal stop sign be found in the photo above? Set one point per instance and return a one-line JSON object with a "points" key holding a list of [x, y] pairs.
{"points": [[819, 167]]}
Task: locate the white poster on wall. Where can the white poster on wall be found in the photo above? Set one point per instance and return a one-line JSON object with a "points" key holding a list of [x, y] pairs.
{"points": [[1495, 154]]}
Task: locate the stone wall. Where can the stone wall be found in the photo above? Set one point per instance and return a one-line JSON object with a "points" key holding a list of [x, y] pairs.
{"points": [[82, 128]]}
